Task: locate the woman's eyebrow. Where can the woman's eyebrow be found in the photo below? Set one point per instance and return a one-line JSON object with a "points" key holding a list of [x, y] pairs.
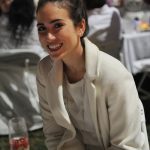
{"points": [[50, 22]]}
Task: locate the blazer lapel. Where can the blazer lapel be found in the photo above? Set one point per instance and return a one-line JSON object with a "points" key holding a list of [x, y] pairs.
{"points": [[92, 65], [54, 92]]}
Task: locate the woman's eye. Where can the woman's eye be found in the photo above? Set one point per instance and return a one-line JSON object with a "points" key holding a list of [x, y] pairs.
{"points": [[41, 29], [58, 25]]}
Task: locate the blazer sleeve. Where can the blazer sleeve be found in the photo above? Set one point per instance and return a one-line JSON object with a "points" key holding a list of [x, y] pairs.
{"points": [[52, 131], [55, 134], [126, 114]]}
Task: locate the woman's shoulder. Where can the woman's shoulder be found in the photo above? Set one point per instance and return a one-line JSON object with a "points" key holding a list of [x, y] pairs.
{"points": [[107, 67], [44, 66], [45, 62], [112, 68]]}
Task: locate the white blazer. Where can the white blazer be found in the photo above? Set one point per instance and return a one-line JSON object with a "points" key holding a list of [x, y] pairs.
{"points": [[116, 109]]}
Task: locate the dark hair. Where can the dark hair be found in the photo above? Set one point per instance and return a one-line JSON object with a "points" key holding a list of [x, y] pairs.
{"points": [[91, 4], [147, 1], [21, 17], [76, 8]]}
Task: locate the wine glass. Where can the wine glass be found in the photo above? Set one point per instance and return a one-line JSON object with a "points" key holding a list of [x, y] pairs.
{"points": [[18, 134]]}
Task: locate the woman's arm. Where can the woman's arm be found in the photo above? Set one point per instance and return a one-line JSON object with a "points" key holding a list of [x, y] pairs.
{"points": [[52, 131], [126, 116], [57, 137]]}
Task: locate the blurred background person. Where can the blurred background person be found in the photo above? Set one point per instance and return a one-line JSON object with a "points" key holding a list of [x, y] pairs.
{"points": [[104, 26], [20, 51], [18, 25]]}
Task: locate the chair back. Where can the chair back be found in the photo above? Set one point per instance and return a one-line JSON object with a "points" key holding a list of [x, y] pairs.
{"points": [[107, 34]]}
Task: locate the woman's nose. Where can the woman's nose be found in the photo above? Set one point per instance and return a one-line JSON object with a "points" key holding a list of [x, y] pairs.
{"points": [[50, 37]]}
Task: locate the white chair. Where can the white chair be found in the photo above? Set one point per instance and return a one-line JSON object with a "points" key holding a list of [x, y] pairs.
{"points": [[105, 29], [18, 92]]}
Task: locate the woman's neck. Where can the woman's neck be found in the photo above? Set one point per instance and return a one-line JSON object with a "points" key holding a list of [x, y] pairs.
{"points": [[74, 75], [75, 67]]}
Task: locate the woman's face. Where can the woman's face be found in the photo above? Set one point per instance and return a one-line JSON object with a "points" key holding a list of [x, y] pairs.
{"points": [[57, 33], [5, 5]]}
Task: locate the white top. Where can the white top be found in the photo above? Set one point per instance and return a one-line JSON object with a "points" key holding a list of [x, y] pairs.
{"points": [[80, 114]]}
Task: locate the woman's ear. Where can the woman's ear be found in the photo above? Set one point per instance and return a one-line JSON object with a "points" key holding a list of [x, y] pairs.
{"points": [[81, 27]]}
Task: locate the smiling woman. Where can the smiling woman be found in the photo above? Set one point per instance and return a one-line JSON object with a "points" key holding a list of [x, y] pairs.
{"points": [[84, 105], [52, 31]]}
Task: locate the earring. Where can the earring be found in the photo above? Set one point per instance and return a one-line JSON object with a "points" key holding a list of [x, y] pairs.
{"points": [[81, 33]]}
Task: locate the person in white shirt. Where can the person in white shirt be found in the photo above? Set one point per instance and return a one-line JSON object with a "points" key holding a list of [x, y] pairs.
{"points": [[104, 26], [18, 25], [88, 99]]}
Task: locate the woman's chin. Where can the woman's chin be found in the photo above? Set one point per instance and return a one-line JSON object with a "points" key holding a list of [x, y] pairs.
{"points": [[55, 58]]}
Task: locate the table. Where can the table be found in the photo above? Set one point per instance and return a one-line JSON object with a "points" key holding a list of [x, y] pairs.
{"points": [[135, 48], [136, 53]]}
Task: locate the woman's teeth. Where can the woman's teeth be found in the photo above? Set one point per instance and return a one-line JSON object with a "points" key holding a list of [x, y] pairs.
{"points": [[54, 47]]}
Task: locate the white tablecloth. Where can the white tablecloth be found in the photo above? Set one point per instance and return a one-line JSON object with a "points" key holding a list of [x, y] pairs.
{"points": [[136, 48]]}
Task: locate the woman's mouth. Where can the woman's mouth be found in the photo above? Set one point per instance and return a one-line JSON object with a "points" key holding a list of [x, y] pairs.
{"points": [[54, 47]]}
